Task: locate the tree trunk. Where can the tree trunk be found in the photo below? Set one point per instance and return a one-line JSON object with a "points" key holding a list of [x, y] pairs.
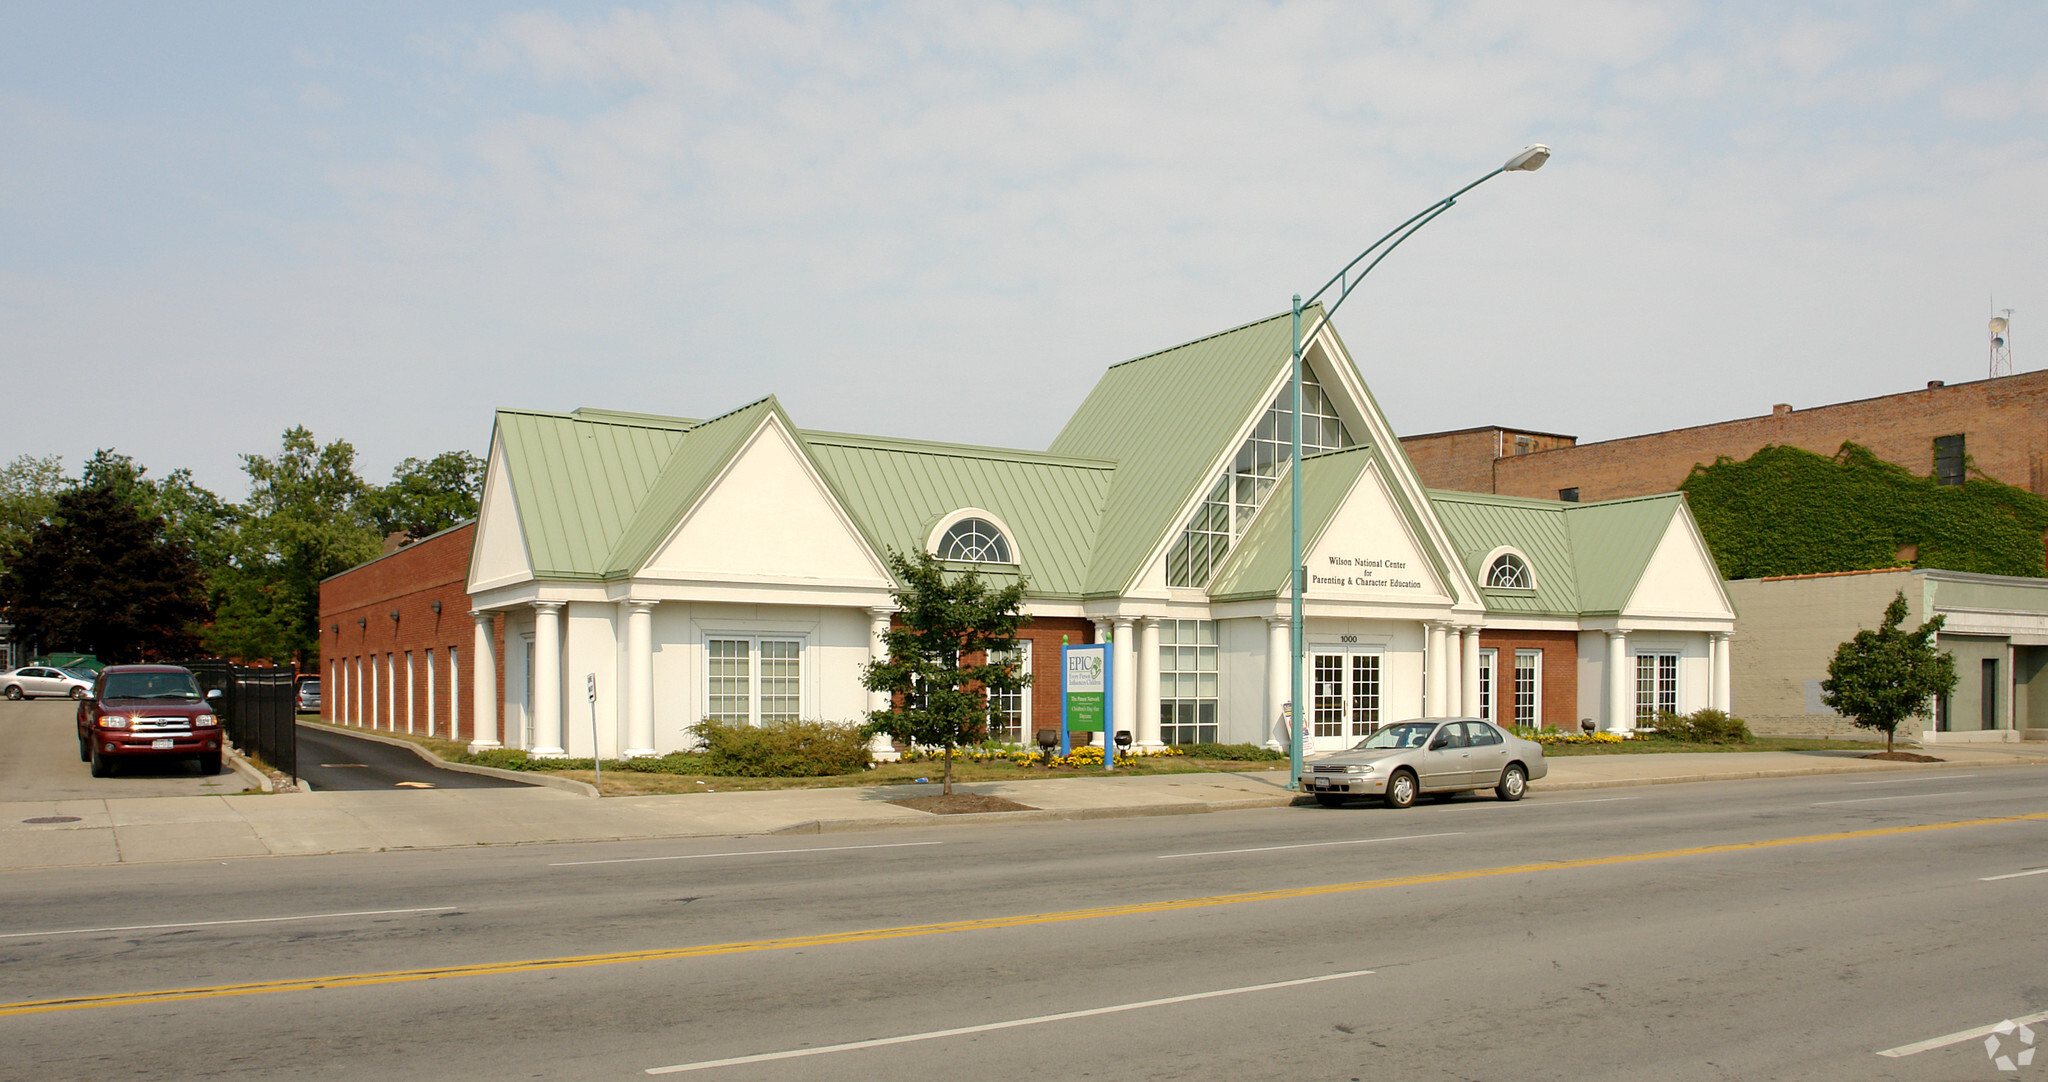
{"points": [[947, 789], [1887, 741]]}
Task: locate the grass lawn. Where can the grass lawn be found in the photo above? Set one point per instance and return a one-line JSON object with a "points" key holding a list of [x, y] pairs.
{"points": [[1653, 745]]}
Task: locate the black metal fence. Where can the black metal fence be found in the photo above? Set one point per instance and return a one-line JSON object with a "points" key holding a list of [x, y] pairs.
{"points": [[258, 707]]}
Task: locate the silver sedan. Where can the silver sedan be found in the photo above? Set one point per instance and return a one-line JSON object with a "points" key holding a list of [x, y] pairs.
{"points": [[1438, 756], [40, 681]]}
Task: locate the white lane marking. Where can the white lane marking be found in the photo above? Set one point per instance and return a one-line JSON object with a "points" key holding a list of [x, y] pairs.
{"points": [[1308, 845], [1908, 796], [1914, 781], [1595, 800], [214, 923], [749, 853], [1957, 1038], [962, 1031], [2013, 875]]}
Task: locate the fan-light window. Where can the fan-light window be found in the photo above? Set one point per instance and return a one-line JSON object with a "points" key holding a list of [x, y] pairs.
{"points": [[1508, 573], [1242, 490], [975, 541]]}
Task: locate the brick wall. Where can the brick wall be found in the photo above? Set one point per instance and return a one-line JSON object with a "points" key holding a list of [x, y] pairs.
{"points": [[2004, 423], [1560, 690], [359, 640]]}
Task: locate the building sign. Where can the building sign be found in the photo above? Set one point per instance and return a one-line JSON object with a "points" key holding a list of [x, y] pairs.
{"points": [[1366, 572], [1084, 687]]}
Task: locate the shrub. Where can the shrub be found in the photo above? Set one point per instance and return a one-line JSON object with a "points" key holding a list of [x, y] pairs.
{"points": [[1240, 753], [677, 762], [785, 749], [1703, 727]]}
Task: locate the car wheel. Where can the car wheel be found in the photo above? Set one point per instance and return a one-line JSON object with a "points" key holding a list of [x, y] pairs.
{"points": [[209, 765], [14, 692], [1514, 781], [84, 750], [1330, 800], [78, 694], [1401, 789], [101, 765]]}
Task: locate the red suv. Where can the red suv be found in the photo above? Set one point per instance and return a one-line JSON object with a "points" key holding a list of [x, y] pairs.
{"points": [[148, 710]]}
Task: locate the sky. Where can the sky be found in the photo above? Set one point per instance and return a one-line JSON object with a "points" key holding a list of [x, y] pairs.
{"points": [[384, 220]]}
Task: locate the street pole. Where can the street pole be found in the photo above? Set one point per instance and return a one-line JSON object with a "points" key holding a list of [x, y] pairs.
{"points": [[1529, 160]]}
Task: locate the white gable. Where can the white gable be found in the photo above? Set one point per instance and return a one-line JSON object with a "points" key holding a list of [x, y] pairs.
{"points": [[768, 518], [1368, 553], [498, 557], [1681, 578]]}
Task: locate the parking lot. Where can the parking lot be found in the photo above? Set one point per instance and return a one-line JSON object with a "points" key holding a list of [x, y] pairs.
{"points": [[39, 761]]}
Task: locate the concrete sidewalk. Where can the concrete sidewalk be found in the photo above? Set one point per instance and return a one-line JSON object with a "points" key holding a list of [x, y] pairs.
{"points": [[73, 833]]}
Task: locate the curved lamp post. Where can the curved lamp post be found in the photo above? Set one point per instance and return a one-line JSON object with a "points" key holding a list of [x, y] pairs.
{"points": [[1528, 161]]}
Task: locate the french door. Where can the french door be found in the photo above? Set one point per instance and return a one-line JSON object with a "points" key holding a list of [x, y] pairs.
{"points": [[1346, 697]]}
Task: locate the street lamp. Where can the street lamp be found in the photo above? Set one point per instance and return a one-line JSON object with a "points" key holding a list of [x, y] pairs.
{"points": [[1530, 159]]}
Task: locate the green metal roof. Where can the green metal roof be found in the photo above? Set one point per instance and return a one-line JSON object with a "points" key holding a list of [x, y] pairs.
{"points": [[1478, 524], [1164, 419], [703, 453], [1613, 541], [579, 481], [898, 490]]}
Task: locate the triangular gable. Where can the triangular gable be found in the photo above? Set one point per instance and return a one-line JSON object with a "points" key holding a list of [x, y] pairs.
{"points": [[579, 480], [768, 516], [499, 556], [1681, 578], [1368, 552]]}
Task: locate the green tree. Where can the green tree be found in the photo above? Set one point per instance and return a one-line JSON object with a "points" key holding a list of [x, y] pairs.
{"points": [[427, 497], [99, 577], [1880, 678], [937, 673], [193, 516], [304, 521], [29, 487]]}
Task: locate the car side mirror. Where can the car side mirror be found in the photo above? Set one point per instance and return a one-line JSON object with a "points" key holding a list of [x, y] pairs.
{"points": [[1440, 743], [212, 694]]}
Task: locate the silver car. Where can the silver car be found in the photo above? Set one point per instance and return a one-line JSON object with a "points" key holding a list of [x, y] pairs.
{"points": [[44, 681], [1438, 756]]}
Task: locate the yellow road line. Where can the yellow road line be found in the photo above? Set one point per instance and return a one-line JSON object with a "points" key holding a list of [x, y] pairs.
{"points": [[869, 935]]}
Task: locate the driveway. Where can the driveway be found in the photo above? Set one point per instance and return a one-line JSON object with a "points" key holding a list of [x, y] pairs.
{"points": [[39, 761], [332, 760]]}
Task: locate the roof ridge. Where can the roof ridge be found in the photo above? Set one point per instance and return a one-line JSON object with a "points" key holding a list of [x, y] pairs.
{"points": [[1207, 337], [675, 424], [855, 439]]}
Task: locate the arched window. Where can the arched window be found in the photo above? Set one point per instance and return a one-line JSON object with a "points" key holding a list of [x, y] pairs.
{"points": [[1509, 572], [974, 541]]}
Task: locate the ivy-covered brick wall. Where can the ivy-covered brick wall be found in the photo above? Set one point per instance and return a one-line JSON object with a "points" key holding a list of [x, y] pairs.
{"points": [[1786, 511]]}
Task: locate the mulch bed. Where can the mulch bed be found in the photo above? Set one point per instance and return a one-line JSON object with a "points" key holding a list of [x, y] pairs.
{"points": [[1903, 757], [961, 804]]}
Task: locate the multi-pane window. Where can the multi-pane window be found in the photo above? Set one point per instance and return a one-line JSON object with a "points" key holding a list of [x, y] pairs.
{"points": [[753, 681], [1509, 572], [974, 540], [1009, 712], [1489, 664], [1345, 695], [1528, 688], [1187, 681], [1656, 686], [1238, 494], [1949, 460]]}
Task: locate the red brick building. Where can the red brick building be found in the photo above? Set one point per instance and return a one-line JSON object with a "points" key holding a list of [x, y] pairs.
{"points": [[397, 642], [1998, 427]]}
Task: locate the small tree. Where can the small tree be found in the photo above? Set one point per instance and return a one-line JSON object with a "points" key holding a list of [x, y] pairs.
{"points": [[1881, 678], [938, 674]]}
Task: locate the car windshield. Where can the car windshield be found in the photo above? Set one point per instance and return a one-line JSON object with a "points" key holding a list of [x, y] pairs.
{"points": [[151, 685], [1408, 734], [311, 685], [80, 674]]}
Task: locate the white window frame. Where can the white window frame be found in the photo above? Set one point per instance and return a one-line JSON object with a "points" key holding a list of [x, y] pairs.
{"points": [[1173, 699], [754, 639], [1024, 723], [1655, 692], [1535, 720], [1492, 558], [952, 519], [1489, 683]]}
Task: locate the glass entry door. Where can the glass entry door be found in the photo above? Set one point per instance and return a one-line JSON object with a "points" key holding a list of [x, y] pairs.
{"points": [[1346, 696]]}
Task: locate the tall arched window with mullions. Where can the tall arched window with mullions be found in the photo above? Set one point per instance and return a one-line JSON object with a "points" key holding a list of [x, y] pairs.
{"points": [[974, 541]]}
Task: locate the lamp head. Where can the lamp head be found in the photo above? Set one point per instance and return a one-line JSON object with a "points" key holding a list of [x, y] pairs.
{"points": [[1529, 160]]}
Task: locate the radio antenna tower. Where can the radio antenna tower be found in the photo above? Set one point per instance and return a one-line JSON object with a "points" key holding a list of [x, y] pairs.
{"points": [[2001, 347]]}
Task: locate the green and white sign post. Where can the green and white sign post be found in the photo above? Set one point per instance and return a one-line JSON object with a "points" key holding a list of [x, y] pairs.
{"points": [[1085, 682]]}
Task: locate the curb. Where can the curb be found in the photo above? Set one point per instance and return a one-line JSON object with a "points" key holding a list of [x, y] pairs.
{"points": [[249, 772], [538, 780], [1750, 775]]}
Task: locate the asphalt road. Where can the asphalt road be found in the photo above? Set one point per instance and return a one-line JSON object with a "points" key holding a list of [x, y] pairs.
{"points": [[1784, 929], [39, 761], [334, 760]]}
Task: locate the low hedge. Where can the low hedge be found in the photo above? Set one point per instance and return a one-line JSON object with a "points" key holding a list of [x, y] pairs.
{"points": [[796, 749], [1703, 727]]}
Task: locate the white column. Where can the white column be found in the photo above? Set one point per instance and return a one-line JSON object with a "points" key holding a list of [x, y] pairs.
{"points": [[1454, 673], [1279, 677], [483, 660], [1621, 711], [881, 747], [1126, 716], [1434, 687], [432, 683], [639, 679], [1724, 697], [547, 680], [1147, 731], [1469, 646]]}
